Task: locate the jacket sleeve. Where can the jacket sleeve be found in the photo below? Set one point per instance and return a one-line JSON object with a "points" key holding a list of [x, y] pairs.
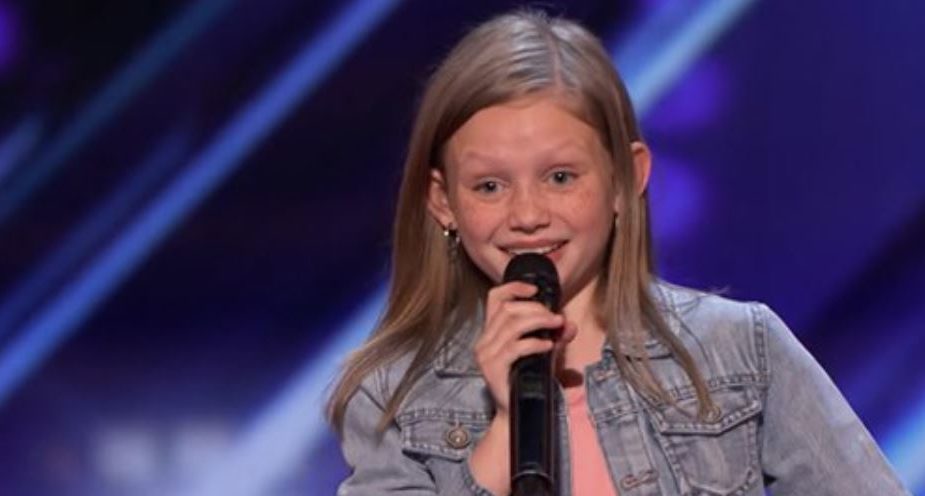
{"points": [[378, 464], [812, 441]]}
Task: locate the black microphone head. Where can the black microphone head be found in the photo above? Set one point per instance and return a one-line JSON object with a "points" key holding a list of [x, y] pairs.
{"points": [[538, 270]]}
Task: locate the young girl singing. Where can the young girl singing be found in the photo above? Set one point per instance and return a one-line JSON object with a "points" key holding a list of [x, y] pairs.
{"points": [[526, 141]]}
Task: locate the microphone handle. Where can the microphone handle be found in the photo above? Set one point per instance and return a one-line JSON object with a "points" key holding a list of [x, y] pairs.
{"points": [[532, 417]]}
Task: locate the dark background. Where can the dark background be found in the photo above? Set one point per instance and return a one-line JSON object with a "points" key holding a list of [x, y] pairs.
{"points": [[196, 199]]}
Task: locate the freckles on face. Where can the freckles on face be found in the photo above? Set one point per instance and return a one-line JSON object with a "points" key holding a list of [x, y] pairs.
{"points": [[530, 176]]}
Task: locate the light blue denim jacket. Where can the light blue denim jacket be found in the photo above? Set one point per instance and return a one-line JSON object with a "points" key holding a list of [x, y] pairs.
{"points": [[781, 424]]}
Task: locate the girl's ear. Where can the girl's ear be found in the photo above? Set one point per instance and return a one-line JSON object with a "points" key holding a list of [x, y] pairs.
{"points": [[438, 200], [642, 167], [642, 164]]}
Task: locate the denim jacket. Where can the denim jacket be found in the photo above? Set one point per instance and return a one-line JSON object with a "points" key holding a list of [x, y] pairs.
{"points": [[780, 424]]}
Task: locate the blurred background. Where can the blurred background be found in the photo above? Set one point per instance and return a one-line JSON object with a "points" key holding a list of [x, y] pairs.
{"points": [[196, 200]]}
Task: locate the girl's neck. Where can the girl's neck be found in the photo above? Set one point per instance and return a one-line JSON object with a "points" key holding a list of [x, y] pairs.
{"points": [[585, 349]]}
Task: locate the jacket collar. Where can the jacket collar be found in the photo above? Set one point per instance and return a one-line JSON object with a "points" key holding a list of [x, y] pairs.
{"points": [[456, 357]]}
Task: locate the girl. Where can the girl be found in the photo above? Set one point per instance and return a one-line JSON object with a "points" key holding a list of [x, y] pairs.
{"points": [[526, 142]]}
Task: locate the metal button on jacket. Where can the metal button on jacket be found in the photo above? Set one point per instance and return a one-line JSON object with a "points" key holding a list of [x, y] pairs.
{"points": [[457, 437]]}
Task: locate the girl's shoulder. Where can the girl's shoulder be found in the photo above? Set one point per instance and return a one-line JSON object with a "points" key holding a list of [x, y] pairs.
{"points": [[726, 335], [446, 393], [707, 313], [450, 369]]}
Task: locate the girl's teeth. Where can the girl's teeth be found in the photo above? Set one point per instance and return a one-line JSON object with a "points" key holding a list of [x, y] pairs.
{"points": [[541, 251]]}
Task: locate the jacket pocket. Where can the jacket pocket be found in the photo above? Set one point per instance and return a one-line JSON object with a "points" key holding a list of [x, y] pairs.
{"points": [[717, 456], [446, 434]]}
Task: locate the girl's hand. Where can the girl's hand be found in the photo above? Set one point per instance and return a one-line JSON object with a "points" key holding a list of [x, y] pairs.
{"points": [[502, 341]]}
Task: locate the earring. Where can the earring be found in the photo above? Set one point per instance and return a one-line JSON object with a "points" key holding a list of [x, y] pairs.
{"points": [[452, 241]]}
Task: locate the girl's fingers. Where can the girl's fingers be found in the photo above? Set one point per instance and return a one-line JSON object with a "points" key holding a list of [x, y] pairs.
{"points": [[513, 328], [568, 333], [507, 292], [564, 337], [498, 366], [516, 326], [520, 348], [526, 346], [509, 314], [509, 318]]}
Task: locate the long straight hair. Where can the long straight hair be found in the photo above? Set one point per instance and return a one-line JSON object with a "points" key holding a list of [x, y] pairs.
{"points": [[431, 294]]}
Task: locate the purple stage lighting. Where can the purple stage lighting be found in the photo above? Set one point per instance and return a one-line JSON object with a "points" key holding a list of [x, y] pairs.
{"points": [[677, 199], [9, 31], [694, 102]]}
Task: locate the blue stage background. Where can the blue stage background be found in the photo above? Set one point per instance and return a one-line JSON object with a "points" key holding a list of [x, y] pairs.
{"points": [[196, 200]]}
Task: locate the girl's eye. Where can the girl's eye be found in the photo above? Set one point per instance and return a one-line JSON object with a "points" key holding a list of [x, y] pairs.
{"points": [[487, 187], [562, 177]]}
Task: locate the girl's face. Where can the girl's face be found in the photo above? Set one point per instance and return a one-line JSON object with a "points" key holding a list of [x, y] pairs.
{"points": [[528, 176]]}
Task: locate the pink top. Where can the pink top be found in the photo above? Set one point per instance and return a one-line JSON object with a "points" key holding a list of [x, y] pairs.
{"points": [[590, 474]]}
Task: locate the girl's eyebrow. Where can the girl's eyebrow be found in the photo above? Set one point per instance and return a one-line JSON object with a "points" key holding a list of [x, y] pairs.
{"points": [[470, 155]]}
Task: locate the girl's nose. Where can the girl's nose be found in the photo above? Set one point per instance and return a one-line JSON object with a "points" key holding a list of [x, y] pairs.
{"points": [[529, 211]]}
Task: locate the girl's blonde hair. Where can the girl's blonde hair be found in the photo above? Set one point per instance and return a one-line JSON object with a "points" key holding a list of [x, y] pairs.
{"points": [[431, 294]]}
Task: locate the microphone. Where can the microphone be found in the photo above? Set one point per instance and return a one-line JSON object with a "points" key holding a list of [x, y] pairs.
{"points": [[532, 396]]}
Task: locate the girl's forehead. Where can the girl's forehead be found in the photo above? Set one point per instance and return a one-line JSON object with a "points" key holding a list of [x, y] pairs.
{"points": [[532, 125]]}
